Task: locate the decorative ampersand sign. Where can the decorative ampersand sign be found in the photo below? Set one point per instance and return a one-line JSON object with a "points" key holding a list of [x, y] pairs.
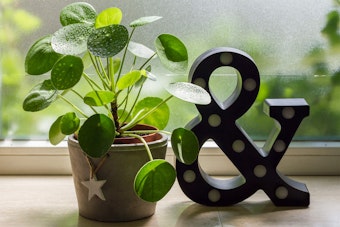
{"points": [[258, 166]]}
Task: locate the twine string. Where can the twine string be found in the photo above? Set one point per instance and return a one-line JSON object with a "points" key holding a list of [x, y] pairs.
{"points": [[93, 169]]}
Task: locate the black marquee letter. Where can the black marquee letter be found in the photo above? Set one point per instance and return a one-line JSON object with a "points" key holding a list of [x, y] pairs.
{"points": [[258, 166]]}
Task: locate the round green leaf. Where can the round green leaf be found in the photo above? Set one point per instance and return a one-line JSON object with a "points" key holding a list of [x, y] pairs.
{"points": [[67, 72], [99, 98], [55, 135], [144, 20], [171, 52], [129, 79], [189, 92], [41, 57], [96, 135], [69, 123], [140, 50], [108, 41], [185, 145], [159, 118], [40, 97], [37, 100], [71, 39], [108, 17], [154, 180], [78, 12]]}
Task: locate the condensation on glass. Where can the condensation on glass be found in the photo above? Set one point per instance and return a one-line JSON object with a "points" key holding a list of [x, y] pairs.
{"points": [[289, 41]]}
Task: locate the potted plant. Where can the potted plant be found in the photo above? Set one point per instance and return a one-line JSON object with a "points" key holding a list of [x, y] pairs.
{"points": [[113, 134]]}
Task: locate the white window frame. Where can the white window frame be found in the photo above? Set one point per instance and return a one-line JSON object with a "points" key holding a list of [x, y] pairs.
{"points": [[39, 157]]}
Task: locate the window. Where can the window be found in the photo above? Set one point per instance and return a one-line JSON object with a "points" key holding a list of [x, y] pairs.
{"points": [[295, 44]]}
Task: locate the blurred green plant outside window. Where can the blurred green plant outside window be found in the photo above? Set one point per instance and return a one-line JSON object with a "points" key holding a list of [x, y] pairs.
{"points": [[295, 44]]}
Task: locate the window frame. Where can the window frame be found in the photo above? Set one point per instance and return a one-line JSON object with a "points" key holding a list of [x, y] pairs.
{"points": [[41, 158]]}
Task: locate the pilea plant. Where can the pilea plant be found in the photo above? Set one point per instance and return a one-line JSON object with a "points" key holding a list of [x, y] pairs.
{"points": [[93, 48]]}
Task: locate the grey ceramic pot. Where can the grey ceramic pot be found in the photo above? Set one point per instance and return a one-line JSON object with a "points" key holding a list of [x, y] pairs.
{"points": [[121, 203]]}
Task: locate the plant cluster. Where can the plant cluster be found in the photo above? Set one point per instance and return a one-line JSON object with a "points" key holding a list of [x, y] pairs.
{"points": [[96, 42]]}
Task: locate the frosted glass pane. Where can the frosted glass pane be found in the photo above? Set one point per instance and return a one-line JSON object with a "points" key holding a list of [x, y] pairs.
{"points": [[294, 57]]}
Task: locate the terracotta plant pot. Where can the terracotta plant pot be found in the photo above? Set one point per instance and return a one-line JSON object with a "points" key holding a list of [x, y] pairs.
{"points": [[119, 169]]}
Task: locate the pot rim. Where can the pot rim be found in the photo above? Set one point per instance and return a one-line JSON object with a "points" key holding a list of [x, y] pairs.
{"points": [[163, 139], [154, 136]]}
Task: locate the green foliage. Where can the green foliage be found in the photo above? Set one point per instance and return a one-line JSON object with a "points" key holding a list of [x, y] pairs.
{"points": [[159, 117], [143, 21], [102, 44], [16, 24], [129, 79], [172, 52], [55, 134], [93, 48], [188, 92], [99, 98], [40, 97], [69, 123], [100, 38], [140, 50], [71, 39], [154, 180], [41, 57], [331, 28], [79, 12], [67, 72], [108, 17], [97, 135], [64, 125], [336, 78], [185, 145]]}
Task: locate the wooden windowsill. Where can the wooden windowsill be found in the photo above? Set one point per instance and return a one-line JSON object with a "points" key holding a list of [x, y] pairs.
{"points": [[51, 201]]}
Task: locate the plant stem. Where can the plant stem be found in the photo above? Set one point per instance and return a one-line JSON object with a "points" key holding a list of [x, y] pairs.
{"points": [[111, 73], [124, 55], [97, 64], [81, 97], [103, 76], [156, 107], [102, 68], [143, 141], [94, 63], [91, 82], [129, 126], [148, 60], [102, 73], [75, 107], [135, 101], [114, 113]]}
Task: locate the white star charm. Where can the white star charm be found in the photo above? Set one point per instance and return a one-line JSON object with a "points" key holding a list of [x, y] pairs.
{"points": [[95, 188]]}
